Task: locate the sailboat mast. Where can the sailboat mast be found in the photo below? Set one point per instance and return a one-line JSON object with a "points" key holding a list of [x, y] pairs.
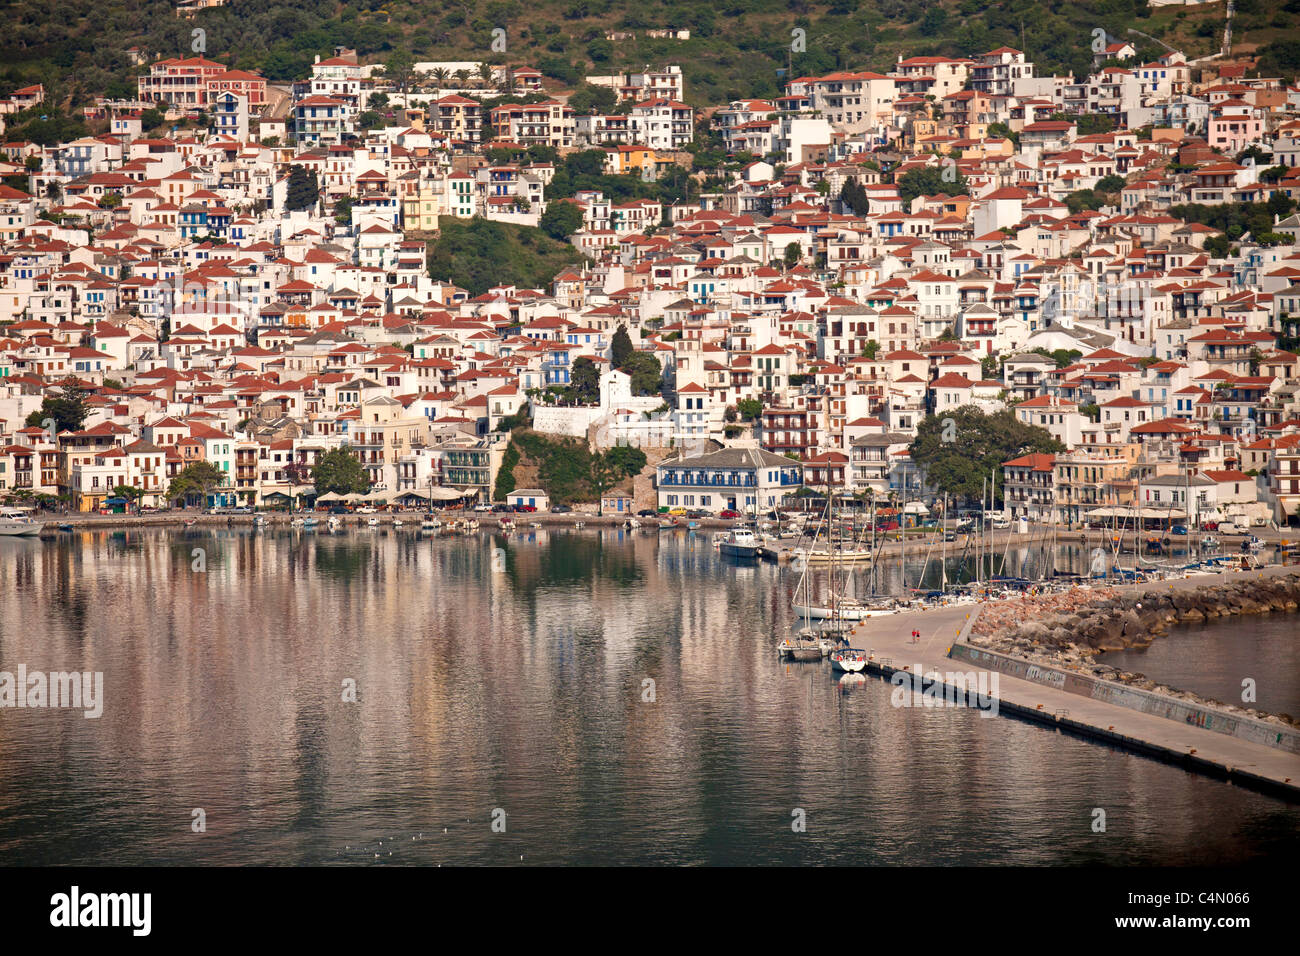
{"points": [[902, 529]]}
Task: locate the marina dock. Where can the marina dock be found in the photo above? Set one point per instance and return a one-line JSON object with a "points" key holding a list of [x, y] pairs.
{"points": [[943, 630]]}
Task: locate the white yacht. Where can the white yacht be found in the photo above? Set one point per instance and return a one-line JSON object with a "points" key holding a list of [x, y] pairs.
{"points": [[16, 523]]}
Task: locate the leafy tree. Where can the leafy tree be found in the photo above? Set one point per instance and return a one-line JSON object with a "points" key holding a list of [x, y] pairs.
{"points": [[304, 190], [68, 409], [870, 349], [646, 373], [588, 99], [1253, 152], [340, 472], [561, 220], [1220, 246], [197, 480], [1082, 199], [929, 181], [793, 251], [584, 379], [980, 444], [399, 68], [343, 211], [505, 482], [1109, 184], [854, 196], [1062, 357], [624, 461], [130, 492], [621, 348], [749, 408]]}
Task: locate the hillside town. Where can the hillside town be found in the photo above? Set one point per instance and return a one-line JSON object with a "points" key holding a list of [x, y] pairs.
{"points": [[250, 285]]}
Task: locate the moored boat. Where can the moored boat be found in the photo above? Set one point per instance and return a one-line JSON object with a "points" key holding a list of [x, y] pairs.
{"points": [[850, 660], [15, 523], [739, 543]]}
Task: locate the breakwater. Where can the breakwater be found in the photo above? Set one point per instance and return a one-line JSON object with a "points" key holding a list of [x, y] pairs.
{"points": [[1066, 631]]}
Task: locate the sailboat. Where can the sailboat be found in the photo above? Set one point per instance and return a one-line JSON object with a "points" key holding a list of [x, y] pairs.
{"points": [[836, 610]]}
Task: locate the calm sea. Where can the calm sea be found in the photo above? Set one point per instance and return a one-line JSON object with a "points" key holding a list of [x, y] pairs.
{"points": [[581, 697]]}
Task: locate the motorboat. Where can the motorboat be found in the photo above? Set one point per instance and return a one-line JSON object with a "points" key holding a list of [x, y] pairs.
{"points": [[15, 523], [739, 543]]}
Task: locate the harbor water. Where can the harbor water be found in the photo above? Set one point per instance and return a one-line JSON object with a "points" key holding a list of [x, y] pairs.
{"points": [[562, 697]]}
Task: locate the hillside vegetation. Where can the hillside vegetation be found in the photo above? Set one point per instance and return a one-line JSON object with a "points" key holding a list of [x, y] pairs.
{"points": [[78, 48], [477, 254]]}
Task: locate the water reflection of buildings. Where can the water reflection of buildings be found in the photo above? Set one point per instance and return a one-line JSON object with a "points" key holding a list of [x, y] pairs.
{"points": [[476, 689]]}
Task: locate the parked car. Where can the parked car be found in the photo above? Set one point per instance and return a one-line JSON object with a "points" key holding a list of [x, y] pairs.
{"points": [[647, 513], [677, 512], [729, 513], [696, 514], [365, 510], [950, 536], [525, 509], [560, 509], [501, 509], [1178, 529], [338, 510], [482, 508]]}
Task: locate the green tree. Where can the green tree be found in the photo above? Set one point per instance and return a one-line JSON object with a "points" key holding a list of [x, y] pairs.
{"points": [[505, 482], [793, 251], [561, 219], [871, 349], [584, 380], [340, 472], [131, 493], [621, 348], [196, 481], [978, 446], [749, 408], [68, 409], [303, 191], [588, 99], [343, 211], [930, 181], [626, 461], [646, 373]]}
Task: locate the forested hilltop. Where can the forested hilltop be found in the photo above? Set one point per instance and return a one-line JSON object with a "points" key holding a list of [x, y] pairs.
{"points": [[78, 48]]}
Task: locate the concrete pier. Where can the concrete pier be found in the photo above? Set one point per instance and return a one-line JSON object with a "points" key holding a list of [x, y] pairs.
{"points": [[889, 640]]}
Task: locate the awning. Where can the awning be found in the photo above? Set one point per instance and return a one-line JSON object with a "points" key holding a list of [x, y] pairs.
{"points": [[448, 494], [331, 496], [114, 501]]}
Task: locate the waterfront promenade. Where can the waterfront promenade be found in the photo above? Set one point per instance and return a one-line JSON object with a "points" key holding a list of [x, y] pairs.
{"points": [[889, 640]]}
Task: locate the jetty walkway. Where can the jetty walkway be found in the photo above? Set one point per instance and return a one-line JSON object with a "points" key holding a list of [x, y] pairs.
{"points": [[943, 649]]}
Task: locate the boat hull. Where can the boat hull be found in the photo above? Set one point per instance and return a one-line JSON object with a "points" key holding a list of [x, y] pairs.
{"points": [[843, 612], [20, 530], [848, 663], [740, 552]]}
